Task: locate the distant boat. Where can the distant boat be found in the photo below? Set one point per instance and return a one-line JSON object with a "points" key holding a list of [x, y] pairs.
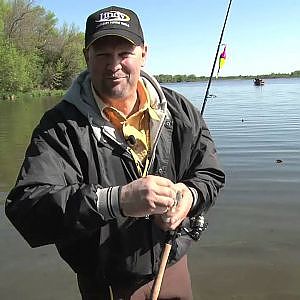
{"points": [[258, 81]]}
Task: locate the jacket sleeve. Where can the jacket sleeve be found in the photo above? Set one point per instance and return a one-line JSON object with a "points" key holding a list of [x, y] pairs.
{"points": [[204, 173], [199, 167], [51, 201]]}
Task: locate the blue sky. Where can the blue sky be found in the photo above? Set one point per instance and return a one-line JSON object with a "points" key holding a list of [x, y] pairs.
{"points": [[262, 36]]}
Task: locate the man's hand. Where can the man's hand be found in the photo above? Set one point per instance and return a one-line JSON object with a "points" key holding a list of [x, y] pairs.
{"points": [[171, 219], [147, 196]]}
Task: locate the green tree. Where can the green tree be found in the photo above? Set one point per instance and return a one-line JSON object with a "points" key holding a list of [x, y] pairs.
{"points": [[28, 26], [4, 8], [295, 73], [26, 30], [71, 53], [18, 70], [66, 49], [178, 78], [58, 75], [191, 78], [53, 56]]}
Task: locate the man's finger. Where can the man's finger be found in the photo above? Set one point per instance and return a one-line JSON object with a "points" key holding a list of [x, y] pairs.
{"points": [[161, 181]]}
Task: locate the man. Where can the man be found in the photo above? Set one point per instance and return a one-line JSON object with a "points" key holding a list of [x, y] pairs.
{"points": [[113, 167]]}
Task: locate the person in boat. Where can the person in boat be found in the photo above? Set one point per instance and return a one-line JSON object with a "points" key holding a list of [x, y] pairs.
{"points": [[258, 81], [104, 168]]}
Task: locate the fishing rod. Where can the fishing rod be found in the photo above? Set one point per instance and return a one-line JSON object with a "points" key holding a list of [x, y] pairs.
{"points": [[216, 57], [197, 224], [172, 234]]}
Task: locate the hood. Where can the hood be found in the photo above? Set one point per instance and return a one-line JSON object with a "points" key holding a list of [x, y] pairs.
{"points": [[81, 96]]}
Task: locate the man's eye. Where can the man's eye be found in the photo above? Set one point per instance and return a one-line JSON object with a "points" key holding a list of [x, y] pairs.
{"points": [[126, 54], [101, 54]]}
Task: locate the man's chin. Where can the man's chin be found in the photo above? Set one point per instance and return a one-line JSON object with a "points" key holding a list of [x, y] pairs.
{"points": [[114, 96], [116, 92]]}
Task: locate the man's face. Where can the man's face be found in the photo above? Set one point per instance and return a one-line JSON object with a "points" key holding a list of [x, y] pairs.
{"points": [[114, 64]]}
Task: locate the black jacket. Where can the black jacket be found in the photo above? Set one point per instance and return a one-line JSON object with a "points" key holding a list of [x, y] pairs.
{"points": [[54, 199]]}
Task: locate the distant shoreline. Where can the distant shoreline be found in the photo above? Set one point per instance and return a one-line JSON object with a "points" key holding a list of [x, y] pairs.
{"points": [[166, 78], [34, 93]]}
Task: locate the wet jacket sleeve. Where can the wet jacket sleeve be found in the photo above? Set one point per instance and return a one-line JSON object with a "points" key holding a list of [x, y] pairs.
{"points": [[51, 200]]}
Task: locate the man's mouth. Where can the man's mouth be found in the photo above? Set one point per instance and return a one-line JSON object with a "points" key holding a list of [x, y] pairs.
{"points": [[115, 77]]}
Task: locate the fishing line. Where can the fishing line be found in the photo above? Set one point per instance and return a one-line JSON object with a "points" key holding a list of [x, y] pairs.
{"points": [[216, 57]]}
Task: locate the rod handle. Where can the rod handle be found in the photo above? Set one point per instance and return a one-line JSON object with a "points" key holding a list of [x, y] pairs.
{"points": [[158, 280]]}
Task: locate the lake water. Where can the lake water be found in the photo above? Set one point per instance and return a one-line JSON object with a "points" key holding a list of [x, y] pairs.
{"points": [[251, 248]]}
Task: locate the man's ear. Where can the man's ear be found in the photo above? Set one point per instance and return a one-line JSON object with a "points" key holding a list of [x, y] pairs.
{"points": [[144, 54], [86, 55]]}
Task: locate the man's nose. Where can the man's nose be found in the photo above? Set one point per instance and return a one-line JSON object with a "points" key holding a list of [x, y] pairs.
{"points": [[114, 63]]}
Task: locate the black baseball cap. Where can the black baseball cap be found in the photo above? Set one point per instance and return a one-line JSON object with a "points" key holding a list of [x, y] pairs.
{"points": [[114, 20]]}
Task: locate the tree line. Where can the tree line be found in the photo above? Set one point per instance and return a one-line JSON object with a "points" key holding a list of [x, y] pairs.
{"points": [[34, 52], [163, 78]]}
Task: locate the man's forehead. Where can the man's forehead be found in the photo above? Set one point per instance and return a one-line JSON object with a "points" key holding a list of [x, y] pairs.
{"points": [[112, 40]]}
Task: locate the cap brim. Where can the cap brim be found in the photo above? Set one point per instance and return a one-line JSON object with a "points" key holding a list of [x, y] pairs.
{"points": [[131, 37]]}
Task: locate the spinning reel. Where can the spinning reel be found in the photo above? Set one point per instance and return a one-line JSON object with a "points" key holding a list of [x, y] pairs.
{"points": [[197, 226]]}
